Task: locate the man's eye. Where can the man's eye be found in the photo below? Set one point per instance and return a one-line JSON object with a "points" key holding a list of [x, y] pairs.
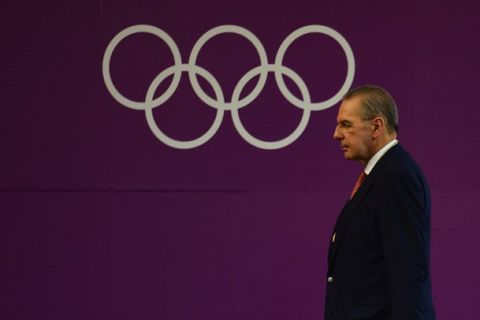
{"points": [[345, 124]]}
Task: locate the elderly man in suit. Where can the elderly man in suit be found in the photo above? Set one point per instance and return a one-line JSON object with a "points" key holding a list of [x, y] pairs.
{"points": [[378, 261]]}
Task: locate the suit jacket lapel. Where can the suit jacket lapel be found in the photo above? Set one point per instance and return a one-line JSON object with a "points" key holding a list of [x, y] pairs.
{"points": [[346, 216]]}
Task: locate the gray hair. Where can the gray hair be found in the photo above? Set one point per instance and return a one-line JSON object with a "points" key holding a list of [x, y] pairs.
{"points": [[376, 102]]}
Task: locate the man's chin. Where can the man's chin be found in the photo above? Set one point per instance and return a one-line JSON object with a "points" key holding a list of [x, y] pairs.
{"points": [[347, 156]]}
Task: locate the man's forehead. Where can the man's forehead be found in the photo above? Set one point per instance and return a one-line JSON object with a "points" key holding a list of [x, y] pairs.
{"points": [[349, 109]]}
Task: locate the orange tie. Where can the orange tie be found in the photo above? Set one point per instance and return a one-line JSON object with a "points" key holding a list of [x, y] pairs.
{"points": [[359, 182]]}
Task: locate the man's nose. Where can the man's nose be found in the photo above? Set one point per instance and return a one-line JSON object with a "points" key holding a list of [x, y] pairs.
{"points": [[336, 134]]}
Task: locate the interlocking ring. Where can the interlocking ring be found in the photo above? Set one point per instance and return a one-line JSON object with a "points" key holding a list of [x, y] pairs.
{"points": [[141, 28], [263, 61], [219, 102], [149, 107], [306, 111], [350, 62]]}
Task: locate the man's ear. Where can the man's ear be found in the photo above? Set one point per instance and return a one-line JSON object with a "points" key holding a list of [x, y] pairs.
{"points": [[378, 126]]}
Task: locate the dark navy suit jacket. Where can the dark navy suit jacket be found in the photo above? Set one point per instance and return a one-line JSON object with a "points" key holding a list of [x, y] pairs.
{"points": [[378, 266]]}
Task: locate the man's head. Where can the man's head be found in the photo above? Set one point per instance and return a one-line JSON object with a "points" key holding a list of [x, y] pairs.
{"points": [[367, 120]]}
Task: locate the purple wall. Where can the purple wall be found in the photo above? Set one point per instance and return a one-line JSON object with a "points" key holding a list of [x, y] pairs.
{"points": [[101, 220]]}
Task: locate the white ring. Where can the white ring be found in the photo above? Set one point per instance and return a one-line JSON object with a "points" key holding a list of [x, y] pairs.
{"points": [[263, 61], [270, 145], [350, 62], [149, 106], [137, 105]]}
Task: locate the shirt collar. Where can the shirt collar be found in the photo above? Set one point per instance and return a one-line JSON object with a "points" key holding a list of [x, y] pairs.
{"points": [[373, 161]]}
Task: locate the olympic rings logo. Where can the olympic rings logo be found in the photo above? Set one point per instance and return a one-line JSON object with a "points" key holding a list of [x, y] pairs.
{"points": [[236, 102]]}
